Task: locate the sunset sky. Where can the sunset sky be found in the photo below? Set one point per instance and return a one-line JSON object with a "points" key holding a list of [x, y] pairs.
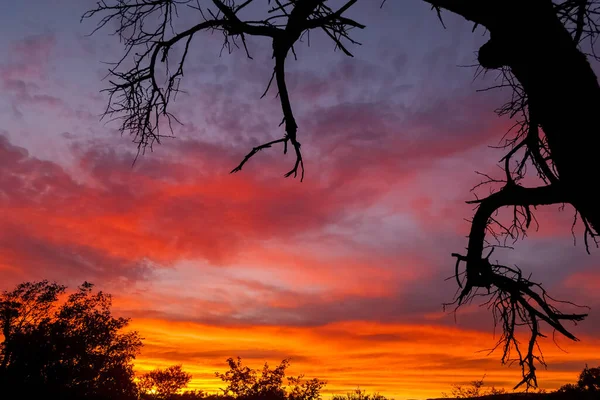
{"points": [[343, 273]]}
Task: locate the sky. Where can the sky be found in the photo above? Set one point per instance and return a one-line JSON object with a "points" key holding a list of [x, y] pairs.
{"points": [[345, 272]]}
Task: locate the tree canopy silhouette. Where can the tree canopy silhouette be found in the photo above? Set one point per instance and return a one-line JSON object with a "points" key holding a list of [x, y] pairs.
{"points": [[245, 383], [164, 383], [537, 48], [69, 349], [588, 382], [474, 389]]}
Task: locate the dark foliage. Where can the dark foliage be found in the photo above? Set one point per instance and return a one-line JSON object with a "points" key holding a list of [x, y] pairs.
{"points": [[71, 349], [588, 382], [474, 389], [164, 383], [245, 383]]}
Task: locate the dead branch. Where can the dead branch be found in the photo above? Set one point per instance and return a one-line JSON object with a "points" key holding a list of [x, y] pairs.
{"points": [[141, 100]]}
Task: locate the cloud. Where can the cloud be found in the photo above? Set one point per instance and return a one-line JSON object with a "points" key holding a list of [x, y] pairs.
{"points": [[162, 211]]}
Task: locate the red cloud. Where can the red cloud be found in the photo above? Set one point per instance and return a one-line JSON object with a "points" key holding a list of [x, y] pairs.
{"points": [[137, 214]]}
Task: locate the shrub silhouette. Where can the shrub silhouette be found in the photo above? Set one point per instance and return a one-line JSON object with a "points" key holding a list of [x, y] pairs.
{"points": [[164, 383], [72, 350], [474, 389], [245, 383]]}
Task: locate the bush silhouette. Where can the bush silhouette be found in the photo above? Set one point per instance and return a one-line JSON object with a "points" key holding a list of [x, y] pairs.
{"points": [[474, 389], [245, 383], [164, 383]]}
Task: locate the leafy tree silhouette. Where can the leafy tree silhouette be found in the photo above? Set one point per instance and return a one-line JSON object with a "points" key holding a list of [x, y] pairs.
{"points": [[589, 379], [245, 383], [588, 382], [164, 383], [536, 46], [64, 350]]}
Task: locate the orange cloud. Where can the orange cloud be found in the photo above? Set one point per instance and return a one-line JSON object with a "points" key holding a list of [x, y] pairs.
{"points": [[134, 216]]}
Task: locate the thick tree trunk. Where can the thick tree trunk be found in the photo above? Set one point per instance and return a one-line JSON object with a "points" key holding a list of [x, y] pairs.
{"points": [[564, 95], [563, 91]]}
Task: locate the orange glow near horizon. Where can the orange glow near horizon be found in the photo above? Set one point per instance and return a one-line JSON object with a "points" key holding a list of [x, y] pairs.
{"points": [[400, 361]]}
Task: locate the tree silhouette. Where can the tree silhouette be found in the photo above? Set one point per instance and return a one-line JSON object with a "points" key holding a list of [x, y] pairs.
{"points": [[69, 349], [474, 389], [588, 382], [164, 383], [589, 379], [536, 47], [245, 383]]}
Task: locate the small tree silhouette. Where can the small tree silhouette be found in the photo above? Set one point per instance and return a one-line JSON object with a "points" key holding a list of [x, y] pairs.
{"points": [[245, 383], [589, 379], [588, 382], [474, 389], [164, 383]]}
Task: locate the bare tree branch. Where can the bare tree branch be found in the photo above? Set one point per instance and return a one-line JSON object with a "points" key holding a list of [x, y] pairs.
{"points": [[141, 100]]}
